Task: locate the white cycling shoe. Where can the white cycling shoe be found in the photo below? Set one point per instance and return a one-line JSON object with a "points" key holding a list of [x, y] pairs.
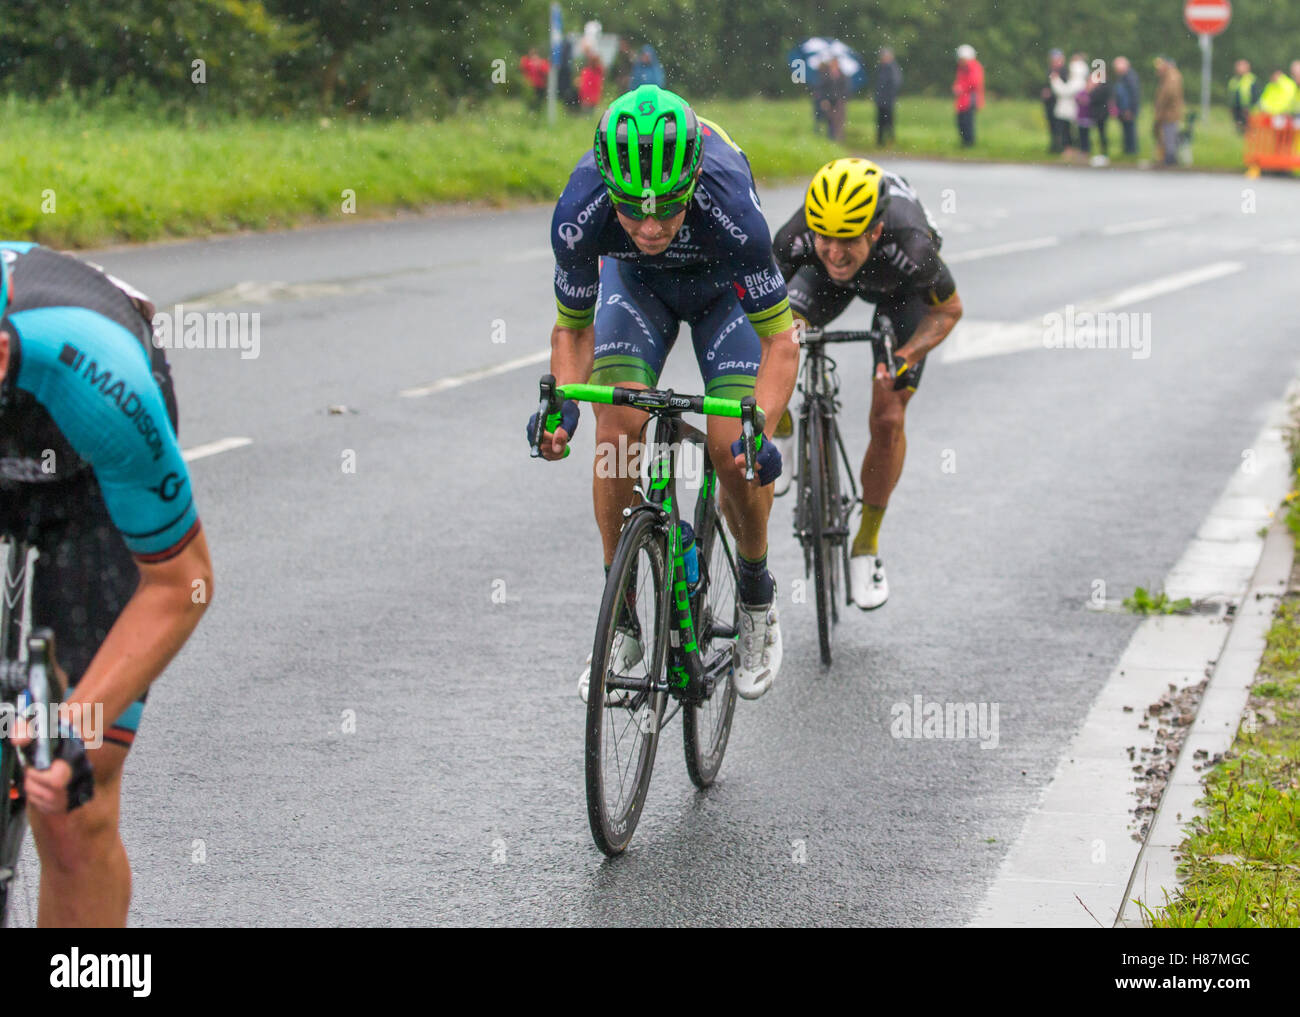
{"points": [[625, 654], [758, 651], [867, 581]]}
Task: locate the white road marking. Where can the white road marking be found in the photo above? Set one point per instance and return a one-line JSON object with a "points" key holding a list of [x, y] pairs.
{"points": [[213, 448], [971, 340], [1167, 284], [528, 255], [455, 381], [1012, 247], [1140, 225]]}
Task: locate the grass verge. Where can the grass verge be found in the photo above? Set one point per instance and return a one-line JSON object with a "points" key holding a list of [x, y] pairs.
{"points": [[1241, 861], [78, 178]]}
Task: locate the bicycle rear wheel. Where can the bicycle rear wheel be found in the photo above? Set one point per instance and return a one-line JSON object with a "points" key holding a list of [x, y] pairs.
{"points": [[623, 722], [707, 726]]}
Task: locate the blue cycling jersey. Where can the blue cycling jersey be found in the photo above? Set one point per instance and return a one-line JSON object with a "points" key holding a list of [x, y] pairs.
{"points": [[82, 392], [724, 229]]}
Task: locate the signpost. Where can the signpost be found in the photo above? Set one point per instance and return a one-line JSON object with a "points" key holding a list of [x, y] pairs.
{"points": [[1207, 18]]}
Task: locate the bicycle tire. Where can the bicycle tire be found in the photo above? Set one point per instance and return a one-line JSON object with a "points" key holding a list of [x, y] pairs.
{"points": [[13, 828], [706, 727], [817, 494], [612, 828]]}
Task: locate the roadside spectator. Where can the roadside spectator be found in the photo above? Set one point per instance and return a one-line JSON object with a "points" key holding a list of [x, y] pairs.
{"points": [[591, 82], [832, 95], [1083, 117], [647, 71], [1099, 105], [1295, 80], [1067, 90], [1055, 69], [564, 75], [1279, 94], [889, 82], [620, 72], [1168, 109], [1244, 90], [968, 93], [1128, 99], [535, 70]]}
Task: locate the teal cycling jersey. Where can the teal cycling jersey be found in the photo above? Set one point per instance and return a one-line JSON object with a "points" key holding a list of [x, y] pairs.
{"points": [[84, 391]]}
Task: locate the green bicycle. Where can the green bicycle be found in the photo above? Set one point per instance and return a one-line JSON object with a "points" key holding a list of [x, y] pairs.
{"points": [[663, 632]]}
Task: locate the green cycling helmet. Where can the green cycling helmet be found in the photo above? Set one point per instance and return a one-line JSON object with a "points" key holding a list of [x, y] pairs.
{"points": [[649, 143]]}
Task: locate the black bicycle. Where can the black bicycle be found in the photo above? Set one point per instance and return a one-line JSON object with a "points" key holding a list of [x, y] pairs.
{"points": [[669, 618], [29, 683], [825, 497]]}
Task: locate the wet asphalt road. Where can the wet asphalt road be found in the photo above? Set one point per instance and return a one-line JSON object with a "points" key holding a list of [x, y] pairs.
{"points": [[360, 733]]}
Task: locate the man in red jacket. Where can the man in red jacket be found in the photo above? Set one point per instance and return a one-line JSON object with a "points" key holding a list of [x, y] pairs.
{"points": [[968, 93], [536, 70]]}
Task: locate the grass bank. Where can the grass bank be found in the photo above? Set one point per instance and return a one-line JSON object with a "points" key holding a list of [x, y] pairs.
{"points": [[1242, 860], [77, 178]]}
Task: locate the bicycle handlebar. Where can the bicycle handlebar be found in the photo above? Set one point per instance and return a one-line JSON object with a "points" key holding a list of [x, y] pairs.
{"points": [[881, 336], [656, 401]]}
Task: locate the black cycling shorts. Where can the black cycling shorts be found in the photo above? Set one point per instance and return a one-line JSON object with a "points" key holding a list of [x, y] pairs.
{"points": [[84, 575], [819, 301]]}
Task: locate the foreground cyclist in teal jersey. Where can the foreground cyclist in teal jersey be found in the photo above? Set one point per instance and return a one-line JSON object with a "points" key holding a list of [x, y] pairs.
{"points": [[92, 476], [661, 225]]}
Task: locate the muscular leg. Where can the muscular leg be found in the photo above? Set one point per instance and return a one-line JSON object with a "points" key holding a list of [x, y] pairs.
{"points": [[613, 479], [85, 875], [745, 506], [883, 463]]}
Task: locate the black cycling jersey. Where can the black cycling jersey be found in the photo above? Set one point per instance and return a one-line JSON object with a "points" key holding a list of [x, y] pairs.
{"points": [[904, 261]]}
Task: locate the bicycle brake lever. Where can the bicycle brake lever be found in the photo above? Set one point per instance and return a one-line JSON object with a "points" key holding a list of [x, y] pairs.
{"points": [[548, 415], [42, 681], [748, 409]]}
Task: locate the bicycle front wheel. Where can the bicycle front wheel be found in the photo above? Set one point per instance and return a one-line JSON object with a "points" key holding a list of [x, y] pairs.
{"points": [[822, 551], [707, 725], [627, 692]]}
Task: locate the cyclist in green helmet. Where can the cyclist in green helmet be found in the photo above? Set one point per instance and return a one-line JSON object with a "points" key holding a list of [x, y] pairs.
{"points": [[661, 225]]}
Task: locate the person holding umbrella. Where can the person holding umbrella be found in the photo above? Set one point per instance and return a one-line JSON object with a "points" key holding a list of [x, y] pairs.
{"points": [[832, 93]]}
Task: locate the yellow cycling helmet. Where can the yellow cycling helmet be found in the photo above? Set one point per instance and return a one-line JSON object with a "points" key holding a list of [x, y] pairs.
{"points": [[846, 198]]}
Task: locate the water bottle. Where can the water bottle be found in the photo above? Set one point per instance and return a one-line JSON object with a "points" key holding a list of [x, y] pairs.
{"points": [[691, 556]]}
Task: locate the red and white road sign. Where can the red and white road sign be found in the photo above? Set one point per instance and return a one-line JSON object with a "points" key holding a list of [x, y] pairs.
{"points": [[1207, 17]]}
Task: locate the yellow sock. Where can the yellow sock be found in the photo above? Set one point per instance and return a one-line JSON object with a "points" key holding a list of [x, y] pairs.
{"points": [[784, 426], [868, 539]]}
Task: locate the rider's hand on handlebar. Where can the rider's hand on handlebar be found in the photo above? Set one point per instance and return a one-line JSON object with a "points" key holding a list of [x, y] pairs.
{"points": [[67, 784], [904, 378], [767, 464], [554, 442]]}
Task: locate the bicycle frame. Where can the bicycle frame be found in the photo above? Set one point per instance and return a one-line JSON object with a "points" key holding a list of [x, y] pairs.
{"points": [[26, 672], [688, 678]]}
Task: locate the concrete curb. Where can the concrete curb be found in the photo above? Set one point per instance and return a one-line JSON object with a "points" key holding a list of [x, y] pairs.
{"points": [[1155, 880], [1078, 856]]}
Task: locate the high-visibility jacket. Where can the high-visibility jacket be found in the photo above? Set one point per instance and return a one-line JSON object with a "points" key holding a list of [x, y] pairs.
{"points": [[1242, 90], [1278, 96]]}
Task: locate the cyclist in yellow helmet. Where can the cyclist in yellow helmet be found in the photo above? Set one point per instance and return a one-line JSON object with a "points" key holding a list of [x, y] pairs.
{"points": [[863, 232]]}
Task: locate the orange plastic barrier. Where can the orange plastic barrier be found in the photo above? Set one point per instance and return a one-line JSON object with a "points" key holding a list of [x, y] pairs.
{"points": [[1272, 142]]}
